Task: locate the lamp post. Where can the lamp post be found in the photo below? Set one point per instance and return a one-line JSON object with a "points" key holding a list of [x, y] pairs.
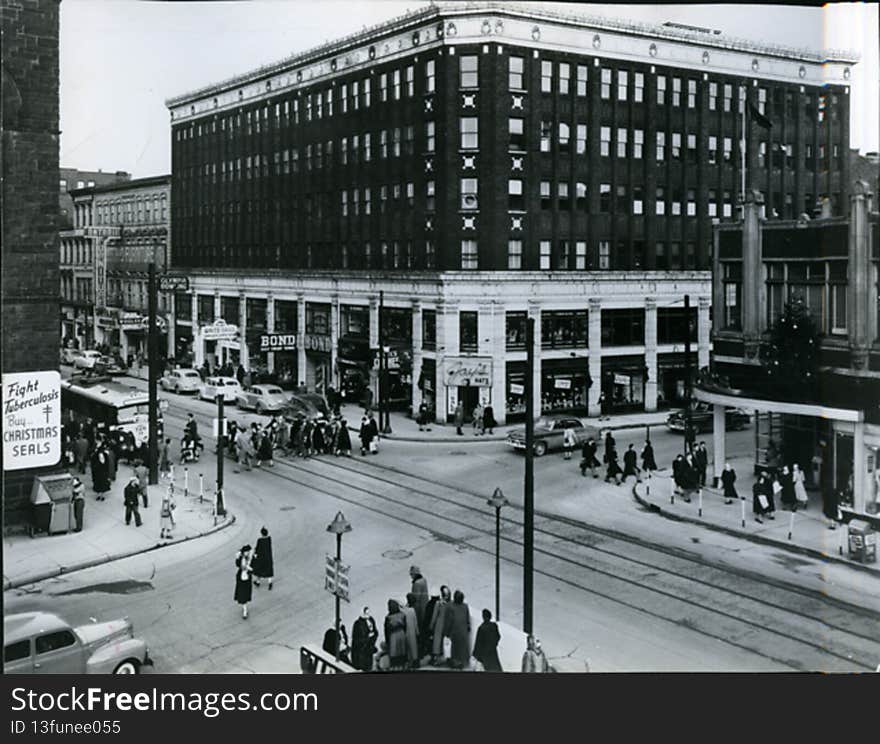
{"points": [[497, 501], [339, 526]]}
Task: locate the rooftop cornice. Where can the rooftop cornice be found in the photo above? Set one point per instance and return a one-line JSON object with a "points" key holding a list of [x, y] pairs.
{"points": [[447, 10]]}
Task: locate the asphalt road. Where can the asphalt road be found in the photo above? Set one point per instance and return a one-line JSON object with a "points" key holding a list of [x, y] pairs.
{"points": [[616, 588]]}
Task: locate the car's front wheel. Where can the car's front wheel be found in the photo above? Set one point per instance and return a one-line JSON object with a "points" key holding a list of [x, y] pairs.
{"points": [[130, 666], [540, 449]]}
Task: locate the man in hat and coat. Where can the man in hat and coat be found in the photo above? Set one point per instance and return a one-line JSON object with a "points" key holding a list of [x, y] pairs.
{"points": [[438, 624], [588, 458], [262, 565], [649, 464], [486, 644], [629, 463], [130, 496], [420, 591]]}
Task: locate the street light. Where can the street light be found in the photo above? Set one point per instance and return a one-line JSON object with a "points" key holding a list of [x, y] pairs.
{"points": [[497, 501], [339, 526]]}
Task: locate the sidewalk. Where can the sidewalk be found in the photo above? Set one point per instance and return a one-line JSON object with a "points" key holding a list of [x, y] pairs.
{"points": [[809, 530], [105, 536]]}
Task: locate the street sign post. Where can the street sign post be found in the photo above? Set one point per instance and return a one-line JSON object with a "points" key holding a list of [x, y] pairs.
{"points": [[173, 283], [336, 578]]}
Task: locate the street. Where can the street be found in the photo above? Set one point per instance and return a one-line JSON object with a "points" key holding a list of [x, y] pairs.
{"points": [[616, 588]]}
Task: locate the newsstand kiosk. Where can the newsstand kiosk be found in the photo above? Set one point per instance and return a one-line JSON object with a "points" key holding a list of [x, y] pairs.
{"points": [[52, 504]]}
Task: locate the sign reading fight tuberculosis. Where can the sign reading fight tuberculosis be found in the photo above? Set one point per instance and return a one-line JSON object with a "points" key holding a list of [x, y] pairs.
{"points": [[31, 419]]}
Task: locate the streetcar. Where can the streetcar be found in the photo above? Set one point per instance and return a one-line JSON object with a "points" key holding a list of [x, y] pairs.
{"points": [[119, 407]]}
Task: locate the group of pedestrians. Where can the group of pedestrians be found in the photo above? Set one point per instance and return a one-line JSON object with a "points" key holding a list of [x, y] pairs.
{"points": [[689, 471], [251, 567], [482, 419]]}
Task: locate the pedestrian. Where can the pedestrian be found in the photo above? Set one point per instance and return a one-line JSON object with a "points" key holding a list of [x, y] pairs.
{"points": [[610, 444], [165, 459], [459, 418], [422, 417], [110, 453], [265, 452], [412, 631], [364, 635], [68, 456], [130, 496], [166, 514], [760, 502], [100, 478], [478, 420], [243, 587], [343, 439], [262, 564], [786, 488], [489, 422], [603, 407], [701, 462], [533, 659], [438, 625], [588, 458], [458, 628], [728, 478], [81, 451], [613, 471], [244, 448], [649, 464], [689, 478], [569, 442], [329, 644], [800, 492], [486, 644], [395, 635], [630, 467], [770, 493], [677, 466], [372, 433], [690, 436], [364, 433], [79, 503], [830, 506], [420, 590], [143, 476], [318, 438]]}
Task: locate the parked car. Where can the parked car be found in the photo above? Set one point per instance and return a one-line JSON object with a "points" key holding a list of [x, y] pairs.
{"points": [[43, 643], [107, 365], [262, 398], [181, 381], [701, 418], [549, 431], [214, 386], [86, 359]]}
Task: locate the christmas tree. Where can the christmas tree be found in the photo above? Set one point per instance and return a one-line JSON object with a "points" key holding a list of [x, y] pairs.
{"points": [[790, 355]]}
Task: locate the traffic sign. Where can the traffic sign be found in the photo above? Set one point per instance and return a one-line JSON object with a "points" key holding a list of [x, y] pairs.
{"points": [[173, 283], [215, 427], [336, 578]]}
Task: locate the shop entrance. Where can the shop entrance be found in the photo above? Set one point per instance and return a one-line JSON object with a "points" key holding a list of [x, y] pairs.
{"points": [[469, 398]]}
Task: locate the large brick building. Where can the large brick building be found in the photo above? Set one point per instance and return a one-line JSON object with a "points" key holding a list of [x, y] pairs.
{"points": [[30, 134], [480, 163], [70, 179]]}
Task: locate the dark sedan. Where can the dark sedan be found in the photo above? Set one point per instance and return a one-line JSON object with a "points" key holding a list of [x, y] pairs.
{"points": [[549, 431], [701, 419]]}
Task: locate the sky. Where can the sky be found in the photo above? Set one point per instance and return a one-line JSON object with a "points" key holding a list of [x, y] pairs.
{"points": [[121, 59]]}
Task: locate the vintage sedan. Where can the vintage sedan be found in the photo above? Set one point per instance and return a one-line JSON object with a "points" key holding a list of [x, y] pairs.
{"points": [[107, 365], [86, 359], [262, 398], [43, 643], [736, 419], [228, 387], [181, 381], [549, 431]]}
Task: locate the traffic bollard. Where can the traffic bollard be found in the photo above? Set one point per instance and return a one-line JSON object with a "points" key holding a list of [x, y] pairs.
{"points": [[201, 488], [742, 512], [700, 502], [790, 524], [185, 482]]}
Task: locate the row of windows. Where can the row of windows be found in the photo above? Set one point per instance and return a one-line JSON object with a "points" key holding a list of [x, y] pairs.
{"points": [[139, 211]]}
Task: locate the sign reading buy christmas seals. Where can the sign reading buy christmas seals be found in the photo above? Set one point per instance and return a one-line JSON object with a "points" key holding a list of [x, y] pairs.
{"points": [[31, 419]]}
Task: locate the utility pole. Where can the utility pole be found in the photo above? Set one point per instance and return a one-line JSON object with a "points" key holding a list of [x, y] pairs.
{"points": [[529, 485], [384, 413], [152, 362], [687, 372], [221, 445]]}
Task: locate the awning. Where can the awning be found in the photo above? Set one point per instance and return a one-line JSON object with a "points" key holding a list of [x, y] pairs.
{"points": [[778, 406]]}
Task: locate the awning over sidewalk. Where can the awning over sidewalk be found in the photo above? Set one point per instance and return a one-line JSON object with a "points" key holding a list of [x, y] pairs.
{"points": [[778, 406]]}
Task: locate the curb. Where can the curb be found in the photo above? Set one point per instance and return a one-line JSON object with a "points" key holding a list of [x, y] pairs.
{"points": [[35, 578], [759, 539]]}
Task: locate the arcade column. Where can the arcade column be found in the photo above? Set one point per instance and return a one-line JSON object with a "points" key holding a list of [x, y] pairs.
{"points": [[595, 343], [651, 353]]}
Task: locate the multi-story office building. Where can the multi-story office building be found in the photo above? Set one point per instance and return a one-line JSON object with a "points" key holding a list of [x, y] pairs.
{"points": [[832, 264], [71, 179], [478, 164], [118, 230]]}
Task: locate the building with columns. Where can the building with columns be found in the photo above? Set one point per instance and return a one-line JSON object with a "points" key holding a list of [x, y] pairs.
{"points": [[833, 265], [476, 163]]}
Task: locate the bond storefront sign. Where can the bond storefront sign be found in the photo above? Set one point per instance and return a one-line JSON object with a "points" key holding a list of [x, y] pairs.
{"points": [[469, 372], [315, 342], [278, 342], [219, 330], [31, 419]]}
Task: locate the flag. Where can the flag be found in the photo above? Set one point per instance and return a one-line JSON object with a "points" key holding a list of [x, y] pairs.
{"points": [[759, 118]]}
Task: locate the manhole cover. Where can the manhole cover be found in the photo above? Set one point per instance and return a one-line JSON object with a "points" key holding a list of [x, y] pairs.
{"points": [[397, 555], [287, 508], [457, 452]]}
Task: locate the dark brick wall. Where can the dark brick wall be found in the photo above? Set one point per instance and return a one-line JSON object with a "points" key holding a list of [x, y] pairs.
{"points": [[29, 167]]}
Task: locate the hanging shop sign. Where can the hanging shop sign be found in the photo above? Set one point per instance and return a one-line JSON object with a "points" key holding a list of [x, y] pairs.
{"points": [[101, 272], [621, 379], [133, 322], [278, 342], [315, 342], [469, 372], [108, 322], [562, 383], [516, 389], [31, 419], [219, 330]]}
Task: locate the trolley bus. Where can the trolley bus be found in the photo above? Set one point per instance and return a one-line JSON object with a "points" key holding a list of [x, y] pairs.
{"points": [[119, 407]]}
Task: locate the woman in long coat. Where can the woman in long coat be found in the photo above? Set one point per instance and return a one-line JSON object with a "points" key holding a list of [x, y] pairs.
{"points": [[318, 438], [364, 635], [486, 644], [264, 453], [263, 565], [458, 624], [648, 461], [759, 489], [412, 630], [787, 496], [489, 422], [800, 492], [395, 635], [614, 472], [243, 586], [728, 478], [100, 474], [438, 624], [366, 434], [343, 439]]}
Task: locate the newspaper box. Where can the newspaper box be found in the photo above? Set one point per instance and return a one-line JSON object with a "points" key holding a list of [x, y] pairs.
{"points": [[52, 504], [862, 541]]}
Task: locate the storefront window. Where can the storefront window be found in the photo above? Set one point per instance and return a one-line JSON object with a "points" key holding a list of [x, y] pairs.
{"points": [[256, 327], [623, 327], [516, 388], [397, 325], [317, 319], [564, 329], [623, 386], [354, 321], [564, 389], [229, 310], [285, 316], [672, 325], [872, 462], [467, 340], [429, 329], [516, 331], [206, 309]]}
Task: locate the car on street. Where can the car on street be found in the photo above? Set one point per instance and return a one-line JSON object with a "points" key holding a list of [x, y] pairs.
{"points": [[181, 381], [736, 419], [228, 387], [262, 398], [86, 359], [44, 643], [549, 431], [107, 365]]}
